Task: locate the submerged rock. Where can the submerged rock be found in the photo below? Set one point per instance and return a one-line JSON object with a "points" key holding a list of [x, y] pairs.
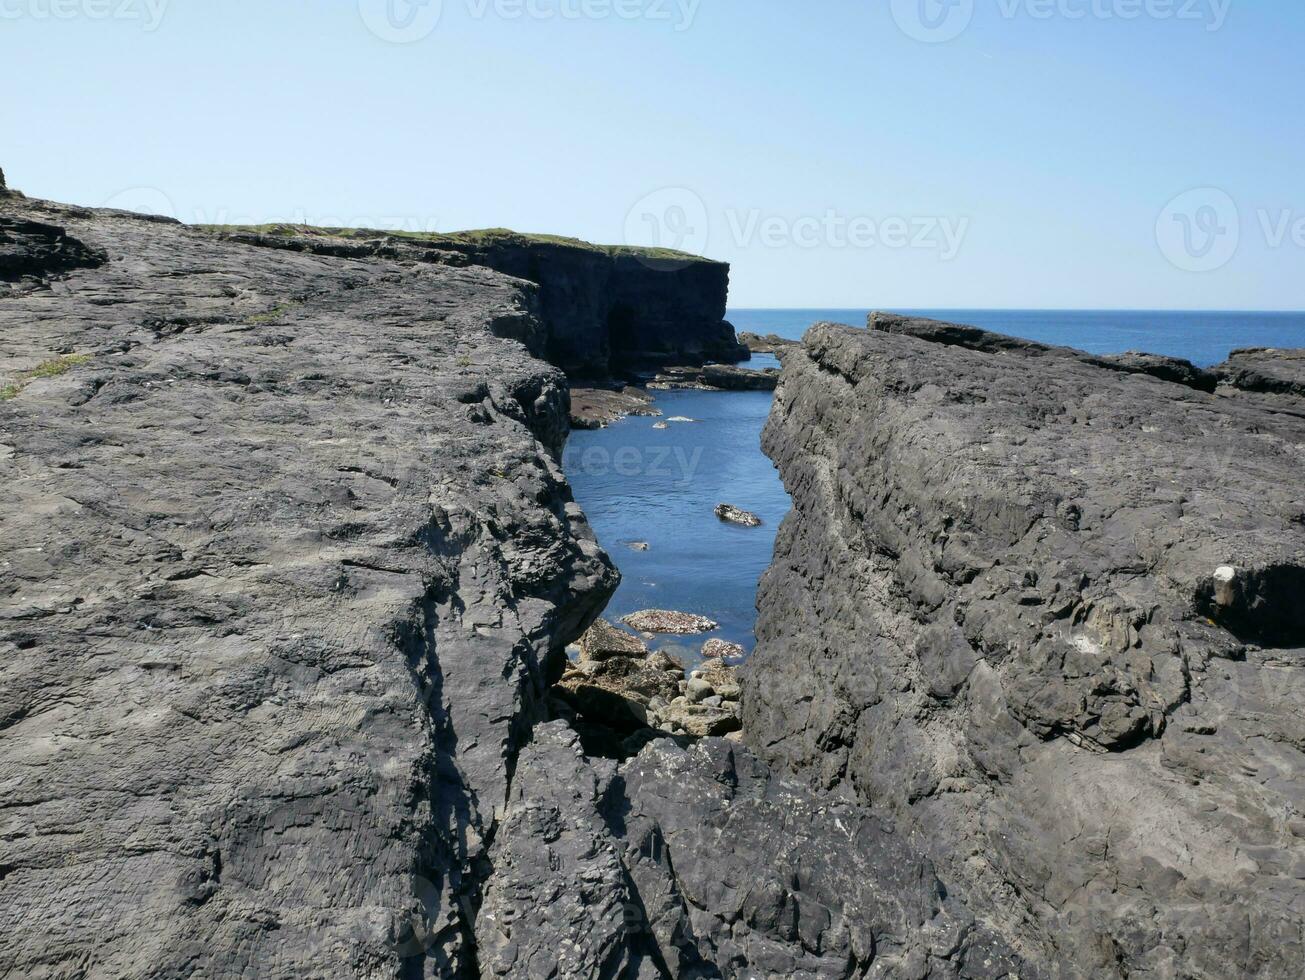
{"points": [[734, 515], [723, 650], [668, 621], [603, 640]]}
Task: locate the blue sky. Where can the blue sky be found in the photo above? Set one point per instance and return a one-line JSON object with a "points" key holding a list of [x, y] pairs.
{"points": [[1016, 153]]}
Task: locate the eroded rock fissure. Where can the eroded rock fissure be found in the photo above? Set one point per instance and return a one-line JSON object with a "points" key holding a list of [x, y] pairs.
{"points": [[284, 634]]}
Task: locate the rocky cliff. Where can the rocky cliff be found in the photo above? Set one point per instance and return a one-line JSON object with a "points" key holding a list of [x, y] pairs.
{"points": [[287, 567], [1045, 612], [605, 310]]}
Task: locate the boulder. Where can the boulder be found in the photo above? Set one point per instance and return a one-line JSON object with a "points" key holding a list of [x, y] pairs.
{"points": [[716, 649], [603, 640], [698, 690], [670, 622], [617, 692], [720, 677], [734, 515], [700, 720]]}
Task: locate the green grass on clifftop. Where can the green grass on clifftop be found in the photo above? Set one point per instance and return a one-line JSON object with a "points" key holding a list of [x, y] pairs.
{"points": [[484, 237]]}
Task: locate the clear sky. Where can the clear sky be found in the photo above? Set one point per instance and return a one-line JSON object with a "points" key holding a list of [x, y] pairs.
{"points": [[885, 153]]}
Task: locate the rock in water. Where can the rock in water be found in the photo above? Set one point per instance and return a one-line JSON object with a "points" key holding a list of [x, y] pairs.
{"points": [[1045, 607], [603, 640], [734, 515], [768, 344], [667, 621], [595, 408], [723, 650], [716, 377]]}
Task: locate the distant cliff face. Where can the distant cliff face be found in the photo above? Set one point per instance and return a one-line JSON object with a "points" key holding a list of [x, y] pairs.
{"points": [[605, 310], [1044, 609]]}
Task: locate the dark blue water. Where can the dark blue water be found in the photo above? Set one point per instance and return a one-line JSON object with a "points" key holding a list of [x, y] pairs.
{"points": [[660, 486]]}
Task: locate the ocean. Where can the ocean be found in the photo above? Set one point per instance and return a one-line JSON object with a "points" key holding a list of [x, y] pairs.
{"points": [[659, 487]]}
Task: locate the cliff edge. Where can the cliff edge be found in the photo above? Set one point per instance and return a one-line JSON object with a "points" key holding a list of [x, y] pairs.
{"points": [[605, 309]]}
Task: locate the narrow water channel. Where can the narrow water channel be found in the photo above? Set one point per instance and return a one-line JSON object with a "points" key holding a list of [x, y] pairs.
{"points": [[642, 485]]}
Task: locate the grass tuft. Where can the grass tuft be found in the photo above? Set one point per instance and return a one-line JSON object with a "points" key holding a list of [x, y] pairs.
{"points": [[272, 315], [46, 369]]}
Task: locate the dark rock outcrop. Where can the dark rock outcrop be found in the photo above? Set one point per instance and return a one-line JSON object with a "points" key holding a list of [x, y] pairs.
{"points": [[686, 862], [1265, 370], [1172, 369], [715, 377], [1043, 610], [771, 343], [605, 310], [33, 252]]}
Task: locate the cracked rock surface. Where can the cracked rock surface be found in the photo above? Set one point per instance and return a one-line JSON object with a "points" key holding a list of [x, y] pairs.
{"points": [[285, 561], [287, 568], [1044, 610]]}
